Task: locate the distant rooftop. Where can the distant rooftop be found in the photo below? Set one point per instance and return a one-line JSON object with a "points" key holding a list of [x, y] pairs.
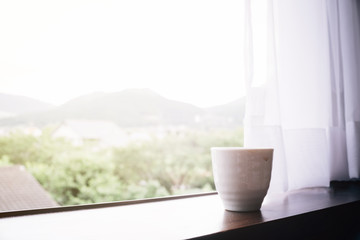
{"points": [[79, 130], [19, 190], [93, 128]]}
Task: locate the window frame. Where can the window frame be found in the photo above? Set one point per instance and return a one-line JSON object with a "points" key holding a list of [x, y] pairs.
{"points": [[303, 213]]}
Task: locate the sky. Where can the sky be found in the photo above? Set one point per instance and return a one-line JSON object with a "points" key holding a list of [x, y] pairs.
{"points": [[186, 50]]}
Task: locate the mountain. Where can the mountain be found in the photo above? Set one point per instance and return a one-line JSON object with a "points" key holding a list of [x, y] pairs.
{"points": [[14, 104], [133, 108], [227, 114], [130, 107]]}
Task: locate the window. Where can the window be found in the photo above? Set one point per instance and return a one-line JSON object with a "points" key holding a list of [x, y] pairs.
{"points": [[105, 100]]}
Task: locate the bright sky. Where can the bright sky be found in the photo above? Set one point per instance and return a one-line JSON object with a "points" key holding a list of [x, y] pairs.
{"points": [[188, 50]]}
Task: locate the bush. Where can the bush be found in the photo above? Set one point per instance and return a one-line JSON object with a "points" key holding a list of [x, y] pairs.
{"points": [[176, 164]]}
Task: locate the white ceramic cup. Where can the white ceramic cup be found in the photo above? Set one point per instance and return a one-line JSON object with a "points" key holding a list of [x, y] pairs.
{"points": [[242, 176]]}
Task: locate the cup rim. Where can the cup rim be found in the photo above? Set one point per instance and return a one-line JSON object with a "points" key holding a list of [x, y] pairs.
{"points": [[239, 148]]}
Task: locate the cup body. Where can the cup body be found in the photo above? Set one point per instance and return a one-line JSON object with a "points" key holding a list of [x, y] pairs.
{"points": [[242, 176]]}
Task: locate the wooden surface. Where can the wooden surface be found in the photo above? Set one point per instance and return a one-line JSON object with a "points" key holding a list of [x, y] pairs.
{"points": [[194, 217]]}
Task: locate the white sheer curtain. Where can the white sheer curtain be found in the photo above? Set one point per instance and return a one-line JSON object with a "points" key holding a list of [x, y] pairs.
{"points": [[303, 88]]}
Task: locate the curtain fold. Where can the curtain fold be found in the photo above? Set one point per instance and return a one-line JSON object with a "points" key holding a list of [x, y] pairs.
{"points": [[303, 89]]}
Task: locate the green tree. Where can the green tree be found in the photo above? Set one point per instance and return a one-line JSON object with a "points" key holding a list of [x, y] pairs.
{"points": [[176, 164]]}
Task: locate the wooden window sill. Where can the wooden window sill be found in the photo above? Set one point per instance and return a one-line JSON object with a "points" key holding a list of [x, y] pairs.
{"points": [[308, 213]]}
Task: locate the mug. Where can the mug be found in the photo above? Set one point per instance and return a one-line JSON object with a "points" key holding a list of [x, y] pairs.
{"points": [[242, 176]]}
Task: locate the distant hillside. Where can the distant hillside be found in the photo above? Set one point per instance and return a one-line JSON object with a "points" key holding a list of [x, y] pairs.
{"points": [[14, 104], [133, 108], [227, 114]]}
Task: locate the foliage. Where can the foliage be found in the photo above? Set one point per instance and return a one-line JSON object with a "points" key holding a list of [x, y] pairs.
{"points": [[175, 164]]}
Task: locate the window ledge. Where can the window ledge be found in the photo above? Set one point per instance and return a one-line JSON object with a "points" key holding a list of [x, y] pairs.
{"points": [[307, 213]]}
